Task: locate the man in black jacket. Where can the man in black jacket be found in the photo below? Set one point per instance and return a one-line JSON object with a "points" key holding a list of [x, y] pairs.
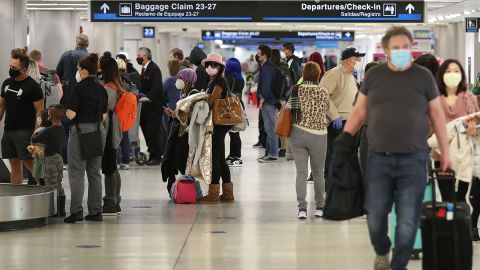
{"points": [[196, 57], [152, 98]]}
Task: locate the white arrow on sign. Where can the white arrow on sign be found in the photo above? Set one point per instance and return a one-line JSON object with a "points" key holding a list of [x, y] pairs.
{"points": [[409, 8], [104, 7], [347, 34]]}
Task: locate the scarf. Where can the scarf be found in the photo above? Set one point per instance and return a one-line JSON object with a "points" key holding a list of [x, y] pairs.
{"points": [[464, 105]]}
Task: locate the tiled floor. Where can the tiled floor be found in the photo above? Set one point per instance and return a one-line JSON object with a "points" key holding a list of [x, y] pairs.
{"points": [[260, 231]]}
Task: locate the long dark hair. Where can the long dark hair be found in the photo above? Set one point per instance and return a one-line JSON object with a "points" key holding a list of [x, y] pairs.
{"points": [[276, 57], [462, 87], [110, 71]]}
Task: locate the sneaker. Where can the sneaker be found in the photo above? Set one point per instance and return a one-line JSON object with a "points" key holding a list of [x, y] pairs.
{"points": [[382, 262], [302, 214], [319, 212], [235, 162], [258, 145], [109, 211], [267, 160], [96, 217], [282, 153], [74, 218], [119, 210], [124, 166], [310, 178], [229, 160], [476, 237], [65, 167]]}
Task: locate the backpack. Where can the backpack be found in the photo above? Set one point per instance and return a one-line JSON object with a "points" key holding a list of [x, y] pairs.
{"points": [[280, 83], [295, 75], [126, 110], [49, 84], [186, 190]]}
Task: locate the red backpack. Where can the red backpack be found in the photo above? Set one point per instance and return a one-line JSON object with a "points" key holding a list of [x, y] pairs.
{"points": [[126, 110]]}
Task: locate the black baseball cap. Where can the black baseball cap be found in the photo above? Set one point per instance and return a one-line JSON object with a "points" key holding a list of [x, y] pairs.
{"points": [[351, 52]]}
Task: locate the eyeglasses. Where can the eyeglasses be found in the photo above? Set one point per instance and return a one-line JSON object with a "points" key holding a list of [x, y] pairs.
{"points": [[212, 64]]}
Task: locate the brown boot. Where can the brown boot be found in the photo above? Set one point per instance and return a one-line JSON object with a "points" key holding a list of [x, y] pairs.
{"points": [[227, 193], [212, 196]]}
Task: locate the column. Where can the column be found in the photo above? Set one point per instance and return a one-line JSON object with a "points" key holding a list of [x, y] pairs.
{"points": [[53, 32]]}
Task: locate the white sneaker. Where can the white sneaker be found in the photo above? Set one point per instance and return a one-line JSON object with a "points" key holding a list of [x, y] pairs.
{"points": [[124, 167], [302, 214], [319, 212]]}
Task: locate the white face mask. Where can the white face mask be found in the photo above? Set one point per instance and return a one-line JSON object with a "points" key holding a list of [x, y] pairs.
{"points": [[179, 84], [452, 79], [212, 71], [358, 65], [77, 77]]}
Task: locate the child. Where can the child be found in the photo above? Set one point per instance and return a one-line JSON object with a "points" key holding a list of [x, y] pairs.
{"points": [[38, 151], [52, 137]]}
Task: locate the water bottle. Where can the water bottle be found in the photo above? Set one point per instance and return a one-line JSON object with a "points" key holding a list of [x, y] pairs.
{"points": [[449, 211]]}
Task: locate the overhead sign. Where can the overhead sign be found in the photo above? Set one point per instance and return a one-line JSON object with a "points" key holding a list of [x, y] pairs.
{"points": [[423, 34], [258, 11], [278, 35], [472, 25], [149, 32]]}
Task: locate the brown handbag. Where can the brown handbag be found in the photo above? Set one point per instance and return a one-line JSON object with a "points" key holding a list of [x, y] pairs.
{"points": [[227, 111], [284, 123]]}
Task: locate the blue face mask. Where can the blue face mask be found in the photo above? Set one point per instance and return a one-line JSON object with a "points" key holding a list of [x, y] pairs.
{"points": [[400, 58]]}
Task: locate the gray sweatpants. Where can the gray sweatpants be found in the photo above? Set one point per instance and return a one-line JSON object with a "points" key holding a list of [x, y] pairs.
{"points": [[306, 145], [76, 172], [53, 177]]}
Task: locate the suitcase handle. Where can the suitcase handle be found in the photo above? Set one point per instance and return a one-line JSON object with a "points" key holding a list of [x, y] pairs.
{"points": [[434, 175]]}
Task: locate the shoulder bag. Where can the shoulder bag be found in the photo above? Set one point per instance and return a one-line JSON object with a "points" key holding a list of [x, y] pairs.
{"points": [[227, 111], [283, 126]]}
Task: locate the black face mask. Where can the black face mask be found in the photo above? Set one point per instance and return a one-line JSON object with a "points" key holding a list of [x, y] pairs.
{"points": [[14, 73], [139, 60], [257, 58]]}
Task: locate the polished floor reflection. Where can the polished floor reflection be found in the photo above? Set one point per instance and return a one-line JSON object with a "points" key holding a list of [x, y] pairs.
{"points": [[260, 231]]}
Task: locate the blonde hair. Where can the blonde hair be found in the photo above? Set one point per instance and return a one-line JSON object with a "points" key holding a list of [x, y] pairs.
{"points": [[122, 66], [33, 70]]}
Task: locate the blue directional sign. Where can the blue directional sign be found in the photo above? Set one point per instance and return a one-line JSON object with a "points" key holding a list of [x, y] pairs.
{"points": [[472, 25], [357, 11], [245, 35]]}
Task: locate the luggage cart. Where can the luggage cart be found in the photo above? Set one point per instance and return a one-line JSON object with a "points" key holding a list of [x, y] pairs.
{"points": [[134, 134]]}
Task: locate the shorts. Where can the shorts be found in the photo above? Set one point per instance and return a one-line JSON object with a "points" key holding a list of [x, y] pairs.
{"points": [[14, 144]]}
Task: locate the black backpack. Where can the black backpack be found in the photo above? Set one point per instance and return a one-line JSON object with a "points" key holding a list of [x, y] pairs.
{"points": [[280, 83]]}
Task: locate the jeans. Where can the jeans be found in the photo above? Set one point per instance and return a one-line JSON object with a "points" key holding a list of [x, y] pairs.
{"points": [[269, 117], [399, 178], [125, 148]]}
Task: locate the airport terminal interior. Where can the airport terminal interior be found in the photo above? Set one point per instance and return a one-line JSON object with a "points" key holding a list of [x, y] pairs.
{"points": [[264, 226]]}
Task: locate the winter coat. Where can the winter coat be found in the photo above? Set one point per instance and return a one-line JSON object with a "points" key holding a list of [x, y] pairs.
{"points": [[461, 148]]}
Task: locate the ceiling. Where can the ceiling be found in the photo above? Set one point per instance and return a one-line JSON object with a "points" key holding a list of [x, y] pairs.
{"points": [[438, 12]]}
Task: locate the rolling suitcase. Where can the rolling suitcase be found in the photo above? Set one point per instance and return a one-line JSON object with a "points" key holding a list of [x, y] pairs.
{"points": [[446, 231]]}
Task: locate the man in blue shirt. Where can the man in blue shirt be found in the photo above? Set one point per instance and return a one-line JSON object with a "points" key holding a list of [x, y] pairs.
{"points": [[267, 102]]}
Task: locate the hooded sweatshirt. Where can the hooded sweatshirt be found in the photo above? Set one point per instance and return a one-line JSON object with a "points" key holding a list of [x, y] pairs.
{"points": [[196, 57]]}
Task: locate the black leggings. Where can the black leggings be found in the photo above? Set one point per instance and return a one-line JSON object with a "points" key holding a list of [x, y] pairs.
{"points": [[219, 164], [475, 201], [235, 145]]}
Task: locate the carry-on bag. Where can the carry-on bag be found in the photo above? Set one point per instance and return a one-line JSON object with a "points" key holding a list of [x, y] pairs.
{"points": [[186, 190], [446, 231]]}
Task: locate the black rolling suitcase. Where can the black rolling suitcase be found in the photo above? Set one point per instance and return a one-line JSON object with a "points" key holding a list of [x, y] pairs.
{"points": [[446, 235]]}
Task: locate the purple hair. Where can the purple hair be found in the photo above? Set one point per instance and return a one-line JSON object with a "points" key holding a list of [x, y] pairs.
{"points": [[187, 75], [233, 68]]}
